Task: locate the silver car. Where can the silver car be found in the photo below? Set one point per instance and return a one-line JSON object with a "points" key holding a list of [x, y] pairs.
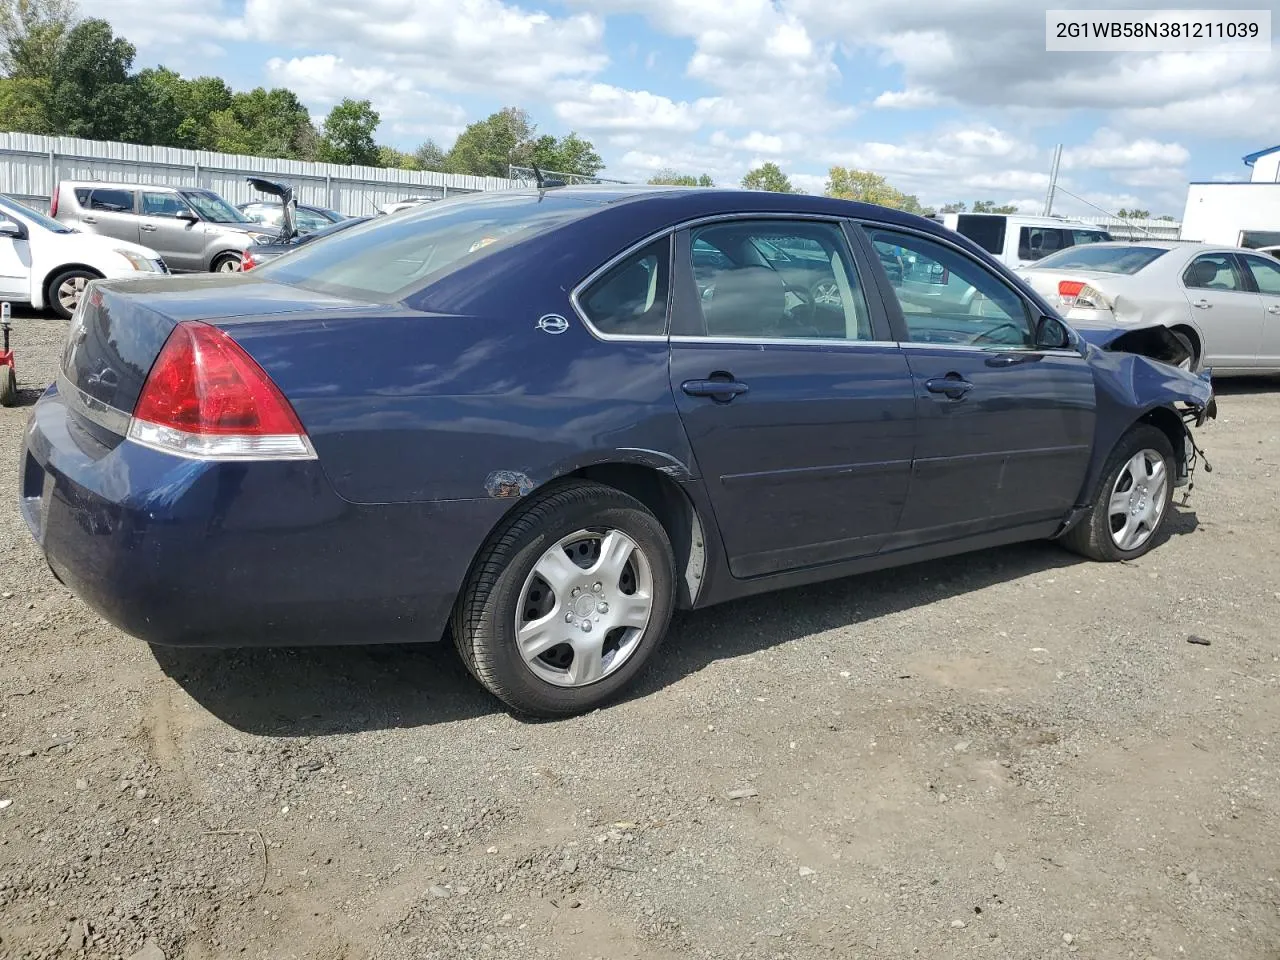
{"points": [[1222, 302], [192, 229]]}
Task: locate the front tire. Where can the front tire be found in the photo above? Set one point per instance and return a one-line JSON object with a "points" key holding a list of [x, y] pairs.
{"points": [[66, 289], [1132, 501], [567, 601], [225, 263]]}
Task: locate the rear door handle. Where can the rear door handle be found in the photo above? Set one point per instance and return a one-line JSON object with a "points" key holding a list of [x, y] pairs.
{"points": [[148, 227], [721, 391], [1202, 304], [89, 219], [1274, 308], [952, 386]]}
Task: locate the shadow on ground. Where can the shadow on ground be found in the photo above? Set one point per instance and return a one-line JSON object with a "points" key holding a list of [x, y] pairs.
{"points": [[328, 690]]}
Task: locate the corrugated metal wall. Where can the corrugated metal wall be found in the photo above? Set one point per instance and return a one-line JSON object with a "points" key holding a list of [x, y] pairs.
{"points": [[30, 165]]}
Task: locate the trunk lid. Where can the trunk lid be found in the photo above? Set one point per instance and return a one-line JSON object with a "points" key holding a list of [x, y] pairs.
{"points": [[1045, 282], [121, 326]]}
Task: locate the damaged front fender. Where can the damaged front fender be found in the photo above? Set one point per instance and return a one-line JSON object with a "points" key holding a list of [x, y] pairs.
{"points": [[1132, 386]]}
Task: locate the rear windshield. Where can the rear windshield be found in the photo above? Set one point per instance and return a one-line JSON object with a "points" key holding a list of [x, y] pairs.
{"points": [[1103, 259], [389, 258]]}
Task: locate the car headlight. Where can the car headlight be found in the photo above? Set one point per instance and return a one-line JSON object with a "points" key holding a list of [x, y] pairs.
{"points": [[138, 261]]}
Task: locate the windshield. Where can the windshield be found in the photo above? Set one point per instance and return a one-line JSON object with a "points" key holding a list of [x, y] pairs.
{"points": [[212, 207], [9, 205], [388, 258], [1103, 259]]}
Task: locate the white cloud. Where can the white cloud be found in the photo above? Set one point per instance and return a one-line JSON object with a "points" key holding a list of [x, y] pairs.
{"points": [[1111, 150], [456, 45], [602, 107], [915, 98]]}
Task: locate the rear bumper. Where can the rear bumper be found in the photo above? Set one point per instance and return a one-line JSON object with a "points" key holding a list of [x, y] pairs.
{"points": [[183, 552]]}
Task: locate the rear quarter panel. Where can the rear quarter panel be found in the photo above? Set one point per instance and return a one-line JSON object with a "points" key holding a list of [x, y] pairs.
{"points": [[409, 406]]}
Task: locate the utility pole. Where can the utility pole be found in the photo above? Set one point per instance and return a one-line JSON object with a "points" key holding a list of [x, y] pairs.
{"points": [[1053, 181]]}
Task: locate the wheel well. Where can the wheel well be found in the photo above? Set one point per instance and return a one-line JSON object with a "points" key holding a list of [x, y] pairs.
{"points": [[221, 254], [1171, 425], [47, 284], [1191, 335], [674, 510]]}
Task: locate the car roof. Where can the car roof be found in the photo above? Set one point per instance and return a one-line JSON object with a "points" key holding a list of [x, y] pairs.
{"points": [[119, 185]]}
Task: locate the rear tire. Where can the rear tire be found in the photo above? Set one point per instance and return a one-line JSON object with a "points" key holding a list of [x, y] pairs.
{"points": [[1192, 365], [8, 387], [66, 289], [1130, 500], [569, 642]]}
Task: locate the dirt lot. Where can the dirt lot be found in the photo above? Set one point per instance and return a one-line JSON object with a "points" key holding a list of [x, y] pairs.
{"points": [[1013, 754]]}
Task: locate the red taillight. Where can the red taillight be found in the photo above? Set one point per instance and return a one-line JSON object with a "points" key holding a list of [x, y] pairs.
{"points": [[1069, 289], [247, 262], [53, 203], [205, 397]]}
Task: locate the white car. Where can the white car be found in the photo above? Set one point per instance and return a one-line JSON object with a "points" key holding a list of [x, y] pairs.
{"points": [[1222, 302], [48, 264]]}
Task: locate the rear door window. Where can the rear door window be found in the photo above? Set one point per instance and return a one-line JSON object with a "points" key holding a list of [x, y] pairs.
{"points": [[1037, 242], [1213, 271], [1089, 236], [111, 201]]}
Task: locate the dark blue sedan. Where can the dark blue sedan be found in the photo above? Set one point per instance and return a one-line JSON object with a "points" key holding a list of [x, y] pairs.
{"points": [[525, 420]]}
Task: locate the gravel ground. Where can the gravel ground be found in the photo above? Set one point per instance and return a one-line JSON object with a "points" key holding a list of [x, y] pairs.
{"points": [[1011, 754]]}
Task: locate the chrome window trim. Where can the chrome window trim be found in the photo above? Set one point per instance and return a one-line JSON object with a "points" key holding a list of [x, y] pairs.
{"points": [[92, 409], [671, 231], [782, 341]]}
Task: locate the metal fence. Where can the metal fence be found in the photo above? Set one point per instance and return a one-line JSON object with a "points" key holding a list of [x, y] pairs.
{"points": [[1139, 229], [526, 177], [31, 165]]}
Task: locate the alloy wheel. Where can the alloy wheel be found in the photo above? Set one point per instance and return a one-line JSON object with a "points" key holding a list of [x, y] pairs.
{"points": [[584, 607], [1138, 499]]}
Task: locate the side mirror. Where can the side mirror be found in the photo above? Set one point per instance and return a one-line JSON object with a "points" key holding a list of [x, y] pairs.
{"points": [[1052, 334], [10, 229], [186, 214]]}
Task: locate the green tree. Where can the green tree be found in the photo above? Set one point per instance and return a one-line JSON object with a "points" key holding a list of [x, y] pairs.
{"points": [[488, 147], [23, 103], [768, 176], [868, 187], [1166, 217], [266, 123], [429, 156], [348, 134], [569, 154], [91, 91], [958, 206], [395, 159], [180, 109], [31, 36], [675, 178]]}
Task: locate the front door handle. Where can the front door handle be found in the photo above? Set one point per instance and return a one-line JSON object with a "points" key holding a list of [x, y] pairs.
{"points": [[721, 388], [1202, 304], [148, 227], [1274, 308], [89, 219], [952, 385]]}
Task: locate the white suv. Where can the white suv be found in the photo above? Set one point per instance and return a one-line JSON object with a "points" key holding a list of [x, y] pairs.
{"points": [[1016, 240], [48, 264]]}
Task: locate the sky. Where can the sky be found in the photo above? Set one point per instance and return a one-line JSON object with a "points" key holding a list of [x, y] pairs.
{"points": [[948, 99]]}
